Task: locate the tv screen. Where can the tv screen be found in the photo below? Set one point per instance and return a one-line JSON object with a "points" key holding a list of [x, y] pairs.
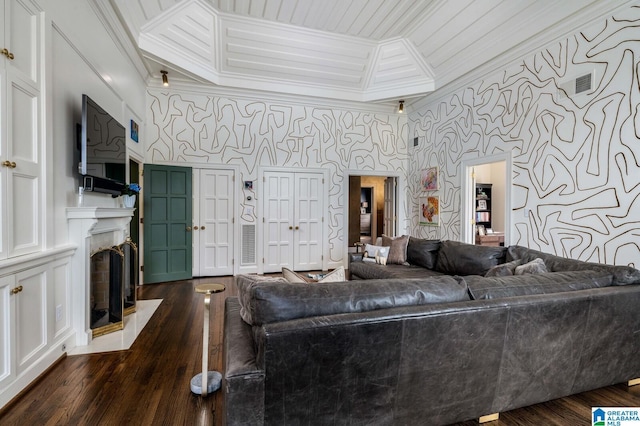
{"points": [[102, 144]]}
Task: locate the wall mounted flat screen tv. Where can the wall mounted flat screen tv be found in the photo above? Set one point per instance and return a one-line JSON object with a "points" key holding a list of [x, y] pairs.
{"points": [[103, 147]]}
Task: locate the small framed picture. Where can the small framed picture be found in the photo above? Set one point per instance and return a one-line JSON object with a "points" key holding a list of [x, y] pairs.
{"points": [[429, 179], [134, 131], [482, 204], [481, 230]]}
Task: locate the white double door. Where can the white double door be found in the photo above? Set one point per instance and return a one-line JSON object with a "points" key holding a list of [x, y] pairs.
{"points": [[213, 223], [294, 210]]}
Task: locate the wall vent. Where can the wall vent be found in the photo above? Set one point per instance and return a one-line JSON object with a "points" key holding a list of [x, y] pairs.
{"points": [[576, 86], [248, 244]]}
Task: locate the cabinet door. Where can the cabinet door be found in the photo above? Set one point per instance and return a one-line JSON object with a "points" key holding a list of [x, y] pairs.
{"points": [[30, 315], [20, 137], [7, 372], [213, 223]]}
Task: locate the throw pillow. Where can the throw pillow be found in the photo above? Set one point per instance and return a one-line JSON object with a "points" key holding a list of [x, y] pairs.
{"points": [[376, 251], [504, 269], [398, 248], [423, 252], [335, 276], [536, 266], [293, 277]]}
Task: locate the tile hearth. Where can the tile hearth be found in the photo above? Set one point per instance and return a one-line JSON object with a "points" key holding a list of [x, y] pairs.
{"points": [[123, 339]]}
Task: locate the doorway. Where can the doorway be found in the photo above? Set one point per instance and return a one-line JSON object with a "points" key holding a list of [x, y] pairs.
{"points": [[486, 193], [372, 208]]}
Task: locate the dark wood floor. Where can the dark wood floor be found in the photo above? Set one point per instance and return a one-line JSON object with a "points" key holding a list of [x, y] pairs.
{"points": [[149, 384]]}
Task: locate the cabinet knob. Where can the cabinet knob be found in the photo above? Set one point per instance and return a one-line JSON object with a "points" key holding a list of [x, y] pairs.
{"points": [[10, 164], [297, 227], [195, 228], [202, 227], [188, 229], [16, 290], [291, 227], [6, 53]]}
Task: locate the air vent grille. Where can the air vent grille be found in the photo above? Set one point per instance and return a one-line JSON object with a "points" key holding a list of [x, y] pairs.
{"points": [[583, 83], [248, 244], [576, 86]]}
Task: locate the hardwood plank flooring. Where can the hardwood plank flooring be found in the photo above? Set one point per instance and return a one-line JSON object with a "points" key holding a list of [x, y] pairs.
{"points": [[149, 383]]}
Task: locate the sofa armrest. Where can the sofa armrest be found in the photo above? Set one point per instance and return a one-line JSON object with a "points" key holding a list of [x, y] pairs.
{"points": [[243, 381], [355, 257]]}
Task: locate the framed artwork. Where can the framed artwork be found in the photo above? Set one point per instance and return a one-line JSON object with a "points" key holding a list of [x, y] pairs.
{"points": [[134, 131], [430, 210], [482, 204], [429, 179]]}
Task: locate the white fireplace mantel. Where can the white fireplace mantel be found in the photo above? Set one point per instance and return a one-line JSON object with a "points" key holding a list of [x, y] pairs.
{"points": [[91, 229]]}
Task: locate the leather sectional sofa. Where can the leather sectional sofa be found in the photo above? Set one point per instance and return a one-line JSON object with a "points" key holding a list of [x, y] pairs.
{"points": [[435, 348]]}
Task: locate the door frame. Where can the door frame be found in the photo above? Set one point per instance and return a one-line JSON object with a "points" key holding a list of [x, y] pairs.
{"points": [[260, 211], [467, 193], [401, 206]]}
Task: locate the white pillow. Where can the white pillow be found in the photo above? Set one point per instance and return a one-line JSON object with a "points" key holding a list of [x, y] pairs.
{"points": [[293, 277], [335, 276], [373, 251]]}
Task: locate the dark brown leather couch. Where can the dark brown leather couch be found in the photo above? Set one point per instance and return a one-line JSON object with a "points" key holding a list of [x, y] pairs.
{"points": [[432, 350]]}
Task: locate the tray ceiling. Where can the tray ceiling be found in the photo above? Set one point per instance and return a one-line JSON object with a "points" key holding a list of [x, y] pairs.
{"points": [[356, 50]]}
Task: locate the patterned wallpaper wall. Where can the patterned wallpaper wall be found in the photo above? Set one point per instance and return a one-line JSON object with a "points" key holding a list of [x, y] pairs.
{"points": [[576, 161], [202, 128]]}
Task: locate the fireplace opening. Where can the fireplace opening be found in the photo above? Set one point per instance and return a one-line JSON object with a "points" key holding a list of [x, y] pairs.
{"points": [[106, 291], [130, 283]]}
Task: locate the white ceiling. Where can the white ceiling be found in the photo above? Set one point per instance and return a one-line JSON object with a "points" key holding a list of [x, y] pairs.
{"points": [[355, 50]]}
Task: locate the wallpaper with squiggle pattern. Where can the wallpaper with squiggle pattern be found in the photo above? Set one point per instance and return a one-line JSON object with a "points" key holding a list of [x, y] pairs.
{"points": [[201, 128], [576, 161]]}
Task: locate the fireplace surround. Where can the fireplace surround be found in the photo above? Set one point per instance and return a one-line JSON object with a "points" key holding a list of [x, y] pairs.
{"points": [[94, 229]]}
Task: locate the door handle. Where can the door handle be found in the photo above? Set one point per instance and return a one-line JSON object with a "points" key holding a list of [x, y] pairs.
{"points": [[6, 53], [188, 229]]}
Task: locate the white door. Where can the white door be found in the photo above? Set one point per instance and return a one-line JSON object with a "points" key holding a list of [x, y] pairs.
{"points": [[307, 228], [293, 221], [213, 223], [390, 213]]}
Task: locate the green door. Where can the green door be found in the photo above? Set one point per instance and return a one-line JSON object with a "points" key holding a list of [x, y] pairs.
{"points": [[167, 223]]}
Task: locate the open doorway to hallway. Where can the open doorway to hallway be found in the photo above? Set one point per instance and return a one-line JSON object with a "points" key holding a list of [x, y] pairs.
{"points": [[372, 208], [486, 192]]}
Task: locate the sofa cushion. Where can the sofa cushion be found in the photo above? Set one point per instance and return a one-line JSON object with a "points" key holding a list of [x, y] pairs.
{"points": [[520, 285], [372, 271], [398, 250], [536, 266], [503, 269], [423, 252], [456, 258], [621, 274], [267, 302]]}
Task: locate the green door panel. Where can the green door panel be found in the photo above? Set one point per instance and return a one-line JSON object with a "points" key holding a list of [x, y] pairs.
{"points": [[167, 223]]}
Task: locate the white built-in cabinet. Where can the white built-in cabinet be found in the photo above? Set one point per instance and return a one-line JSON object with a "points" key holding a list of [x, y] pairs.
{"points": [[35, 323], [20, 128], [294, 209], [213, 222]]}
